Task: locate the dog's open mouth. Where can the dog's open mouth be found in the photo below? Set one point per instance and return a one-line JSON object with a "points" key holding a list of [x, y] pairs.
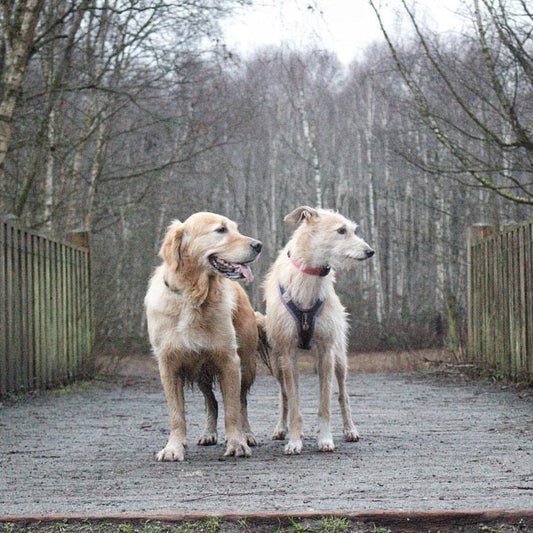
{"points": [[231, 270]]}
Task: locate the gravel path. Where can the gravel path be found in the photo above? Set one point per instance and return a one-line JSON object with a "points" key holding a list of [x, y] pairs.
{"points": [[428, 443]]}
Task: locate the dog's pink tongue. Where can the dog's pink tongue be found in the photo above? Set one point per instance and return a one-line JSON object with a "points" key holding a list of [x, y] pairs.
{"points": [[246, 271]]}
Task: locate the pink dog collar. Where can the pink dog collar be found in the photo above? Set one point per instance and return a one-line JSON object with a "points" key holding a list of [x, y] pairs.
{"points": [[319, 271]]}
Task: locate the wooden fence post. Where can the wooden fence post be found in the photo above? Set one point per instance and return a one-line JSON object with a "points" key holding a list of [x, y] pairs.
{"points": [[480, 231], [475, 234], [79, 238], [84, 327]]}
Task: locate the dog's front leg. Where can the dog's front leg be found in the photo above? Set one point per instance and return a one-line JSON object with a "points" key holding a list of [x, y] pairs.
{"points": [[290, 384], [281, 429], [173, 385], [325, 375], [229, 368]]}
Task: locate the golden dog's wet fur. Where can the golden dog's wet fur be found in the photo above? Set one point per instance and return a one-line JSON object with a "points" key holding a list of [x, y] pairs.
{"points": [[322, 239], [202, 327]]}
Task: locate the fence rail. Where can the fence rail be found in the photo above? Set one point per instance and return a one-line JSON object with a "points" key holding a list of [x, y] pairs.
{"points": [[46, 327], [500, 299]]}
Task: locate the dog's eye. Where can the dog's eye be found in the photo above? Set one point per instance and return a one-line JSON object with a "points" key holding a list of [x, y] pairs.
{"points": [[341, 231], [222, 229]]}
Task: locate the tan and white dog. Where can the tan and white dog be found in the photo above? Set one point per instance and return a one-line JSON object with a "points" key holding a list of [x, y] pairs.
{"points": [[202, 327], [303, 312]]}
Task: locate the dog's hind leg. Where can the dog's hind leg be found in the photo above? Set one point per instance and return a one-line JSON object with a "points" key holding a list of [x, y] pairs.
{"points": [[173, 383], [349, 429], [325, 375], [248, 433], [209, 435]]}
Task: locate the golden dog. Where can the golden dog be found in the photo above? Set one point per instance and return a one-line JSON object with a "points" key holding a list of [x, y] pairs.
{"points": [[202, 327], [305, 313]]}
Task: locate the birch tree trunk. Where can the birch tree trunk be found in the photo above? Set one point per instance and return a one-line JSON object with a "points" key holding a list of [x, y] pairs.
{"points": [[311, 146], [440, 274], [96, 170], [272, 186], [372, 202], [19, 21], [49, 169]]}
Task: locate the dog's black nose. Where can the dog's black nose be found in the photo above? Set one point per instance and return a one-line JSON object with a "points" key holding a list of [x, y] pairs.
{"points": [[370, 252], [256, 246]]}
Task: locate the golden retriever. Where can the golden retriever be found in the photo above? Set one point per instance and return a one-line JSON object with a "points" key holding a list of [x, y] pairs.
{"points": [[202, 327], [303, 312]]}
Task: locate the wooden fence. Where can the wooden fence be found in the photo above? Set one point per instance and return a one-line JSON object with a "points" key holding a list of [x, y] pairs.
{"points": [[46, 328], [500, 299]]}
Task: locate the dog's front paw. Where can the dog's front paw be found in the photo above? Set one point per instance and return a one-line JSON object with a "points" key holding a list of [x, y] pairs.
{"points": [[237, 448], [172, 453], [208, 438], [350, 434], [250, 439], [293, 447], [326, 445]]}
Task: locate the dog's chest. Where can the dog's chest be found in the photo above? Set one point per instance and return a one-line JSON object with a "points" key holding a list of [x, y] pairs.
{"points": [[207, 328]]}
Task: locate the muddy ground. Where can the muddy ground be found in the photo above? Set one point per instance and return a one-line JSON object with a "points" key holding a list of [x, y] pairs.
{"points": [[430, 441]]}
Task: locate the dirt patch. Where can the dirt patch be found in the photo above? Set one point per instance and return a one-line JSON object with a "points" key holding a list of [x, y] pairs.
{"points": [[363, 363]]}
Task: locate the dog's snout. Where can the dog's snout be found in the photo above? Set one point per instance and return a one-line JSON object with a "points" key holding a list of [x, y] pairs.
{"points": [[256, 246], [369, 252]]}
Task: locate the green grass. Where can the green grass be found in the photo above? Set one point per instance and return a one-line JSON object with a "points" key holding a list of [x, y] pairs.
{"points": [[209, 525], [334, 524]]}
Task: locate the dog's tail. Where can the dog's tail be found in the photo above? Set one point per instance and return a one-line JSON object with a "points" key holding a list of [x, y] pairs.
{"points": [[263, 346]]}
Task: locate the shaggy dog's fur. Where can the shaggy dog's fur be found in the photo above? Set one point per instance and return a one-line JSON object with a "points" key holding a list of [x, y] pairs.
{"points": [[202, 327], [323, 243]]}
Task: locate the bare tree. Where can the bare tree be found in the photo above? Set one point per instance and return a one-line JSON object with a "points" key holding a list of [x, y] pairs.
{"points": [[123, 122], [19, 19], [491, 89]]}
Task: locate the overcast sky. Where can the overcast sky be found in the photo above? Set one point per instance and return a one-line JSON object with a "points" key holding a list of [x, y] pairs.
{"points": [[343, 26]]}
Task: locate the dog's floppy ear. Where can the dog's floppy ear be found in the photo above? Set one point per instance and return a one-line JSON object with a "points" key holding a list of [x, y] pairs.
{"points": [[300, 214], [170, 250]]}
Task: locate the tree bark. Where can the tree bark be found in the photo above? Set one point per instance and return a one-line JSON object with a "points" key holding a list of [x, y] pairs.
{"points": [[19, 22]]}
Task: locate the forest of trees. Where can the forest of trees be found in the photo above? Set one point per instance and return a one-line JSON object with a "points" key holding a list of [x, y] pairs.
{"points": [[117, 116]]}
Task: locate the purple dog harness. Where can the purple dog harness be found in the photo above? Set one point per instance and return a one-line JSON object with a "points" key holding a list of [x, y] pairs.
{"points": [[304, 318]]}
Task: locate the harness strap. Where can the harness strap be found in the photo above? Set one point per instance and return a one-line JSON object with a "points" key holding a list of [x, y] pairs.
{"points": [[304, 318]]}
